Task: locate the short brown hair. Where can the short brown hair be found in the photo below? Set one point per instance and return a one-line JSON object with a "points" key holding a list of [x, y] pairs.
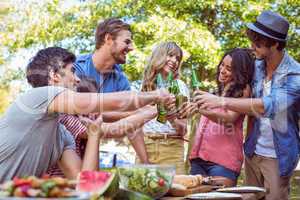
{"points": [[110, 26], [264, 40], [46, 60]]}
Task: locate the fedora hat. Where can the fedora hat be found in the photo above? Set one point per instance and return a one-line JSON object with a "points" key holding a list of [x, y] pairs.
{"points": [[271, 25]]}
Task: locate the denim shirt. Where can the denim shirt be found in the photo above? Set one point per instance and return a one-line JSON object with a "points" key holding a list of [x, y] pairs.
{"points": [[110, 82], [282, 106]]}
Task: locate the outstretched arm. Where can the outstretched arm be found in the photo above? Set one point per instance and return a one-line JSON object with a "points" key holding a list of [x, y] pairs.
{"points": [[84, 103], [70, 162], [129, 124], [116, 115], [250, 106], [228, 116], [279, 100]]}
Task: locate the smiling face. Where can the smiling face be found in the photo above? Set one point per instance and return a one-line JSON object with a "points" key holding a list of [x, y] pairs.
{"points": [[264, 48], [67, 78], [260, 51], [225, 68], [171, 64], [121, 46]]}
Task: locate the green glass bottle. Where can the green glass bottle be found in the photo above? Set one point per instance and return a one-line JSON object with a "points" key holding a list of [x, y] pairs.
{"points": [[195, 82], [170, 82], [174, 88], [161, 110]]}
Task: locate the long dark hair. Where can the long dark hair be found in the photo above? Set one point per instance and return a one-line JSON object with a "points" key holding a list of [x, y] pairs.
{"points": [[242, 67]]}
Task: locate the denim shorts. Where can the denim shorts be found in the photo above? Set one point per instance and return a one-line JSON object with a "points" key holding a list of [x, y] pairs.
{"points": [[207, 168]]}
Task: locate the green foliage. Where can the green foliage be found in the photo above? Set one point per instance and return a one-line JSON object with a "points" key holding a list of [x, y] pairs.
{"points": [[198, 44], [203, 28], [4, 99]]}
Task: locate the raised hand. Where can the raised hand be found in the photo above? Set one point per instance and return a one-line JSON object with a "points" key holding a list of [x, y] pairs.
{"points": [[94, 127], [206, 100], [187, 109], [167, 99]]}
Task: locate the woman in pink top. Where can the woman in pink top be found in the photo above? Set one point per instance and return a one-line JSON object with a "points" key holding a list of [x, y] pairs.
{"points": [[218, 144]]}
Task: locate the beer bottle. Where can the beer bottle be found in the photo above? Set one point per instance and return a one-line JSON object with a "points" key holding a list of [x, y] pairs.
{"points": [[161, 110], [174, 88], [195, 82], [170, 82]]}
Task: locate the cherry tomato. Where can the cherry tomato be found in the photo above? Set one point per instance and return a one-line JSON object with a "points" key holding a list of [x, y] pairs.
{"points": [[20, 182], [161, 182]]}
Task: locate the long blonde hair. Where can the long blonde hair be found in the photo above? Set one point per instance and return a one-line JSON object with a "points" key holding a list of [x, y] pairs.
{"points": [[157, 61]]}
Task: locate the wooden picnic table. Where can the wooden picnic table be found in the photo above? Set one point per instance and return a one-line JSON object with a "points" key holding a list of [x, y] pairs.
{"points": [[176, 194], [245, 196]]}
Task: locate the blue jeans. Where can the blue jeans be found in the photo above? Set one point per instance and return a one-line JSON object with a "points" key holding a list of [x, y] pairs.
{"points": [[207, 168]]}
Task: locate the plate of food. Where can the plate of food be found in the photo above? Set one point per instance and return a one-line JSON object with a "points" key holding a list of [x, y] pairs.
{"points": [[214, 196], [242, 189], [32, 187]]}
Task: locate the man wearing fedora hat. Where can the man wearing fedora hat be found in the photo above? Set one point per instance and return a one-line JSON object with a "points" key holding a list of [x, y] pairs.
{"points": [[272, 145]]}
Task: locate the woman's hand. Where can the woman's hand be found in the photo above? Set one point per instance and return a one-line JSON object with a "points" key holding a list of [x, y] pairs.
{"points": [[167, 99], [187, 109], [205, 100], [94, 127]]}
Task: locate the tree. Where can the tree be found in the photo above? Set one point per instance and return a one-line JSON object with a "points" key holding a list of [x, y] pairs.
{"points": [[204, 29], [4, 99]]}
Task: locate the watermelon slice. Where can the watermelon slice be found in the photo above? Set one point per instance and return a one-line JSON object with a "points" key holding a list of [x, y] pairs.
{"points": [[94, 182]]}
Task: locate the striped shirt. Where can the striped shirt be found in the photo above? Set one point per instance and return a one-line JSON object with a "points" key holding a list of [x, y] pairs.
{"points": [[77, 129]]}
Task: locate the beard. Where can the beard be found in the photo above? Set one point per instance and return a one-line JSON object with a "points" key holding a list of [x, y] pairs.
{"points": [[118, 56]]}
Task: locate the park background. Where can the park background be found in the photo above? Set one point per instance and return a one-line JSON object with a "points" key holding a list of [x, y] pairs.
{"points": [[205, 29]]}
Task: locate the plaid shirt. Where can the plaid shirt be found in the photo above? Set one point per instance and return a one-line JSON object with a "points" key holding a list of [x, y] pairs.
{"points": [[76, 128], [282, 106]]}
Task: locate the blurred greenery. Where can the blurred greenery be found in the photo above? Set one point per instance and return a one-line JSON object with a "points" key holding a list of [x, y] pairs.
{"points": [[205, 29]]}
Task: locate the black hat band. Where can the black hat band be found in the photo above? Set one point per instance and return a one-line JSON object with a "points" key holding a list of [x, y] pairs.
{"points": [[270, 31]]}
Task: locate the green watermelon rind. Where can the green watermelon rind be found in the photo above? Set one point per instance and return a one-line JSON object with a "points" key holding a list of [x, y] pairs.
{"points": [[112, 190], [107, 188]]}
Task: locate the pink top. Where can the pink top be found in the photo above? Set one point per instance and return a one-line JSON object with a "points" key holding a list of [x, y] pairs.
{"points": [[220, 144]]}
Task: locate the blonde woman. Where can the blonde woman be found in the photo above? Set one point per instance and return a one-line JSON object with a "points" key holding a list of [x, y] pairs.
{"points": [[164, 142]]}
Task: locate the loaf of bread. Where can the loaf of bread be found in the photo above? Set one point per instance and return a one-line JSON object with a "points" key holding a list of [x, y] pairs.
{"points": [[188, 181]]}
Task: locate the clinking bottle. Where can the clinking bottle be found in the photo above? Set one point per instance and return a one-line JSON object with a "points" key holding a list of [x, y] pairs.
{"points": [[195, 82], [161, 110], [173, 87]]}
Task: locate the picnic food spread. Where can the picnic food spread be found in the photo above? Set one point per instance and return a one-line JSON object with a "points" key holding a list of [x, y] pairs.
{"points": [[188, 181], [144, 182], [152, 181], [97, 183], [32, 186]]}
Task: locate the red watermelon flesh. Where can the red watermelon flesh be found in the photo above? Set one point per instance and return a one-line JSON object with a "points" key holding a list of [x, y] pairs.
{"points": [[94, 182]]}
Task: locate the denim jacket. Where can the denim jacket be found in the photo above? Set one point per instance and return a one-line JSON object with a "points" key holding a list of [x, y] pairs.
{"points": [[282, 106]]}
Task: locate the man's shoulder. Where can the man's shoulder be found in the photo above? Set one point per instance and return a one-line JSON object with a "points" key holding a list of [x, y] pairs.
{"points": [[292, 64], [83, 58], [44, 90]]}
